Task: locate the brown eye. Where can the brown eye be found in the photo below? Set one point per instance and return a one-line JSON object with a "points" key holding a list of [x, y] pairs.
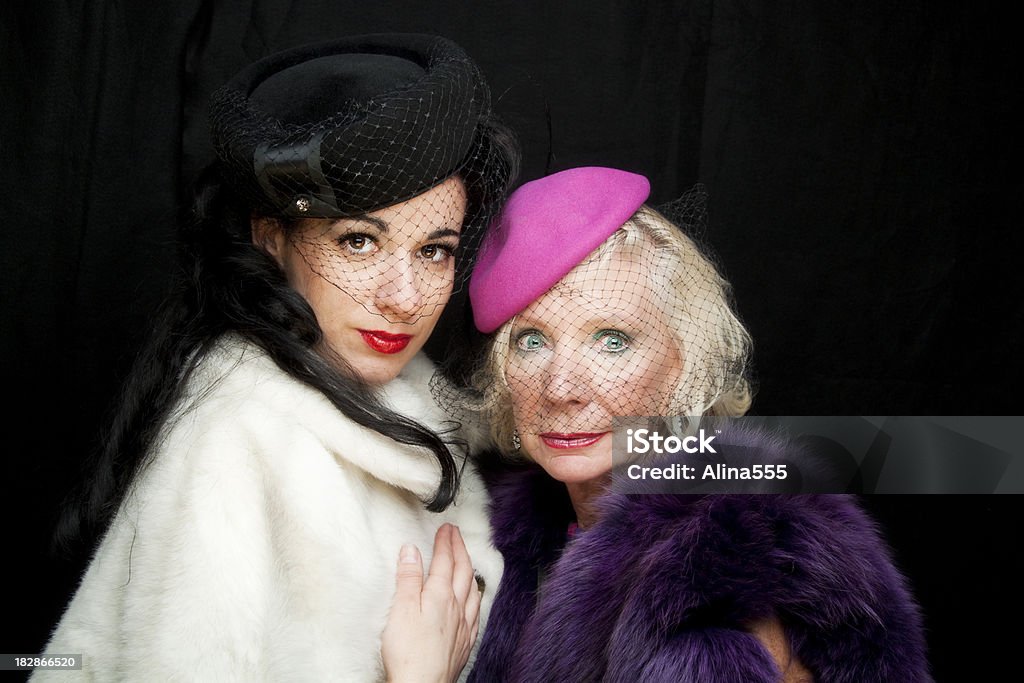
{"points": [[436, 253], [357, 243]]}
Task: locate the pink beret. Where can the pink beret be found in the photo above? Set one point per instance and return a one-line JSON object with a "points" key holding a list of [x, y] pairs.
{"points": [[548, 226]]}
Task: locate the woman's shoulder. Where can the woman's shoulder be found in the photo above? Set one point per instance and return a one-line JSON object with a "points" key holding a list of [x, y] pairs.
{"points": [[236, 409], [237, 371], [237, 376], [239, 409]]}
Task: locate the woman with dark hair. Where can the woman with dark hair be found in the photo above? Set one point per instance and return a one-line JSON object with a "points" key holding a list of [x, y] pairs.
{"points": [[598, 308], [277, 443]]}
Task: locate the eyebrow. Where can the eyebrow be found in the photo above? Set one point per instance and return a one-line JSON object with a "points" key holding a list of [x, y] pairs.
{"points": [[614, 320], [444, 232], [372, 220], [383, 226]]}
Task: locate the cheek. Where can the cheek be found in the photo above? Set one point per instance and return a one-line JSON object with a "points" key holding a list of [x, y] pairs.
{"points": [[427, 318], [524, 376], [299, 276], [331, 305], [300, 260], [645, 386], [522, 389], [526, 396], [335, 311], [435, 286]]}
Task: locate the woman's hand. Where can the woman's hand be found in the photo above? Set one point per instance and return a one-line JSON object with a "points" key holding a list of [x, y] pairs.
{"points": [[433, 624], [773, 637]]}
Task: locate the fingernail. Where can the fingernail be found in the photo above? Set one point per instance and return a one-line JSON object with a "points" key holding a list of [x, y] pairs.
{"points": [[408, 554]]}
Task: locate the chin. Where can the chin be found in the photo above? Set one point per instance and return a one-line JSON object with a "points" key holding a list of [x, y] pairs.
{"points": [[377, 371], [371, 367], [381, 374], [576, 478], [575, 469]]}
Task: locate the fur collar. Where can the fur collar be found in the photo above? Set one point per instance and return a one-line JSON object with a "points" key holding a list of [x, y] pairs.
{"points": [[664, 583], [240, 376]]}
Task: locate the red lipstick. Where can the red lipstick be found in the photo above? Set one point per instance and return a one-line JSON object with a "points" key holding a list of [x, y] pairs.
{"points": [[385, 342], [574, 440]]}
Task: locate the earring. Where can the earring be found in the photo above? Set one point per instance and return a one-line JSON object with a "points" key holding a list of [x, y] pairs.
{"points": [[516, 442]]}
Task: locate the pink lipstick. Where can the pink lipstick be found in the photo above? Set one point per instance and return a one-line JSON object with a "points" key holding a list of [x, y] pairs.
{"points": [[385, 342], [574, 440]]}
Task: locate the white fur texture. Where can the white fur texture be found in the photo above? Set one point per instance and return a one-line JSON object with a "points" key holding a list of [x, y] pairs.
{"points": [[260, 543]]}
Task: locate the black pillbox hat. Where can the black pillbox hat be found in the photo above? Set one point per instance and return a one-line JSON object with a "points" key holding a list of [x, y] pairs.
{"points": [[349, 126]]}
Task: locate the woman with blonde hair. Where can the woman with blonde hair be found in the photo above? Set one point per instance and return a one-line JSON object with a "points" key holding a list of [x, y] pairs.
{"points": [[600, 308]]}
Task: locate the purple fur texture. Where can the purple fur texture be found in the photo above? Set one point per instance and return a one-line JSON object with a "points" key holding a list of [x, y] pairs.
{"points": [[662, 587]]}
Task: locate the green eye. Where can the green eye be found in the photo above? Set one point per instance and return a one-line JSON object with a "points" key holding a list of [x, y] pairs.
{"points": [[613, 341], [530, 340]]}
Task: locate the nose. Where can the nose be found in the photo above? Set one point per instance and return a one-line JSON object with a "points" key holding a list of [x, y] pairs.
{"points": [[567, 380], [398, 295]]}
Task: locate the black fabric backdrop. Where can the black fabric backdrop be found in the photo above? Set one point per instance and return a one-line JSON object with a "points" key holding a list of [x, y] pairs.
{"points": [[862, 159]]}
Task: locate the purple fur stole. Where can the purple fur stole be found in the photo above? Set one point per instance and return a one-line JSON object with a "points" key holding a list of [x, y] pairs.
{"points": [[661, 587]]}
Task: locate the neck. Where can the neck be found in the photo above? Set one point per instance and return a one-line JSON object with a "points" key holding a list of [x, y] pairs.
{"points": [[584, 497]]}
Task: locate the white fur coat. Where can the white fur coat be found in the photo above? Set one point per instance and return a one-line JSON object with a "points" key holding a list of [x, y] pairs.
{"points": [[260, 543]]}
